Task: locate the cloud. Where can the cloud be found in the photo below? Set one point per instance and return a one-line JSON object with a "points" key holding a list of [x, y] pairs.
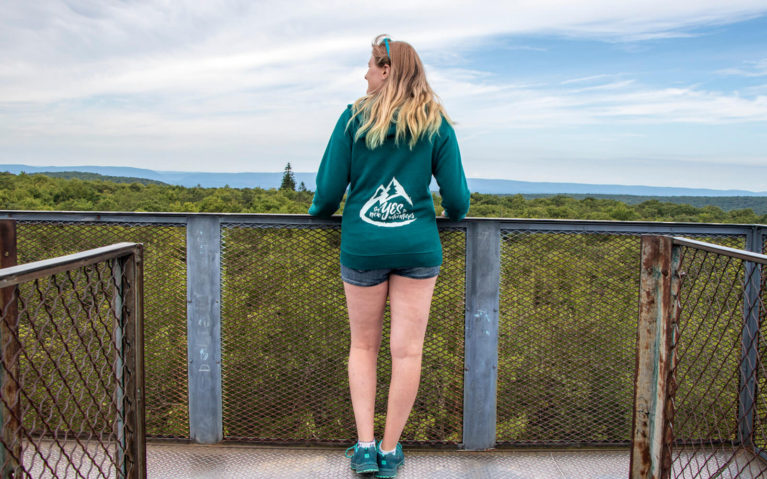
{"points": [[239, 79], [749, 69], [587, 79], [56, 49], [490, 106]]}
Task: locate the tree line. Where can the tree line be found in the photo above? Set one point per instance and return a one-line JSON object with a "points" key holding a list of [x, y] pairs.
{"points": [[42, 192]]}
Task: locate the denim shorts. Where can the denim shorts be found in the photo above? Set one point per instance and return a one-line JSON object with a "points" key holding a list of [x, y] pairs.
{"points": [[372, 277]]}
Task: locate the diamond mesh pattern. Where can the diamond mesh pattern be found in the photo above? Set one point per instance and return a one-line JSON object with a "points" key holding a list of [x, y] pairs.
{"points": [[567, 337], [437, 415], [761, 385], [708, 372], [164, 303], [285, 341], [68, 410], [568, 304]]}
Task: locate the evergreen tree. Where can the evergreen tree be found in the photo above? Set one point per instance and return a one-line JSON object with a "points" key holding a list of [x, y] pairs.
{"points": [[302, 187], [288, 180]]}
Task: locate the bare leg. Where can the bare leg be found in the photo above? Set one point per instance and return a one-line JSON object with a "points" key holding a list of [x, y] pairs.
{"points": [[410, 301], [366, 307]]}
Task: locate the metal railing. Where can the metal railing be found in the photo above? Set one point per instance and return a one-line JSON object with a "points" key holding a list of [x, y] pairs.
{"points": [[700, 401], [72, 364], [531, 339]]}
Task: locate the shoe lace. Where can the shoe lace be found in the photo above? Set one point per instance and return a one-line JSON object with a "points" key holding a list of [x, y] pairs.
{"points": [[353, 449]]}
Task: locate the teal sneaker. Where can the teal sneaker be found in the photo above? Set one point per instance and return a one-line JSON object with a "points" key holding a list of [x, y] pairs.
{"points": [[389, 463], [363, 459]]}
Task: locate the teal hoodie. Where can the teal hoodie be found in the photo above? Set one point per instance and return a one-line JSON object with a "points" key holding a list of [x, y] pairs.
{"points": [[389, 219]]}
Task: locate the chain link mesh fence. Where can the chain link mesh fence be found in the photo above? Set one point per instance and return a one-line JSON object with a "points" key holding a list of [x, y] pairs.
{"points": [[567, 337], [568, 304], [285, 341], [70, 406], [164, 303], [717, 396]]}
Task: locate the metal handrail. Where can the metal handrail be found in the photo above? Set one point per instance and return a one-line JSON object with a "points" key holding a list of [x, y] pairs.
{"points": [[735, 253], [50, 325], [287, 218], [29, 271]]}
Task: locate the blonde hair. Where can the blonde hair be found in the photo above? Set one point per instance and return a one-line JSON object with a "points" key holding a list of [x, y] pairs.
{"points": [[405, 98]]}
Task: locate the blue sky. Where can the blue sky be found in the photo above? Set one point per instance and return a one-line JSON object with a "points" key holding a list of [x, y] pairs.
{"points": [[647, 92]]}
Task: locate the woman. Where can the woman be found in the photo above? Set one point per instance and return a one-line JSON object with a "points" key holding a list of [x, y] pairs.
{"points": [[386, 147]]}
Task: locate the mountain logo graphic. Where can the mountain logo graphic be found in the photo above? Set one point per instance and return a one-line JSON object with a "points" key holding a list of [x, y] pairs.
{"points": [[388, 207]]}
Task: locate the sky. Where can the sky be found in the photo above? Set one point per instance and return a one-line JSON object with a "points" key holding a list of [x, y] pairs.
{"points": [[659, 93]]}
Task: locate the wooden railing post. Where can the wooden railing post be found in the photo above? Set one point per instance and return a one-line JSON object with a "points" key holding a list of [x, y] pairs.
{"points": [[658, 311], [10, 407]]}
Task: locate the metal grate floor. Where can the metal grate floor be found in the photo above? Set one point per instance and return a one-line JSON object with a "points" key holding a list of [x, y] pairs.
{"points": [[193, 461], [225, 462]]}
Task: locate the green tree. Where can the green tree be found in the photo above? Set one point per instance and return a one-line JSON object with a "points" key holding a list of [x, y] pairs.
{"points": [[288, 180]]}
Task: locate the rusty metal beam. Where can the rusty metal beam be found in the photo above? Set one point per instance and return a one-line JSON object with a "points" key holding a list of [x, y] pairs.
{"points": [[136, 271], [128, 284], [47, 267], [10, 406], [651, 440]]}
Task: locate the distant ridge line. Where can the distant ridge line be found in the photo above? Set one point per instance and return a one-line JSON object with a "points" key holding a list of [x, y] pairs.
{"points": [[268, 180]]}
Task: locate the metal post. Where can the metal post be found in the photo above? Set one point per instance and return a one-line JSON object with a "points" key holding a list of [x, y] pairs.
{"points": [[658, 312], [131, 436], [749, 342], [203, 243], [10, 406], [129, 341], [763, 235], [483, 273], [135, 297], [119, 362]]}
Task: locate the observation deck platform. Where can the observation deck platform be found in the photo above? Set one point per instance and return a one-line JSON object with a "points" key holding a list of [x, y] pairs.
{"points": [[182, 461]]}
